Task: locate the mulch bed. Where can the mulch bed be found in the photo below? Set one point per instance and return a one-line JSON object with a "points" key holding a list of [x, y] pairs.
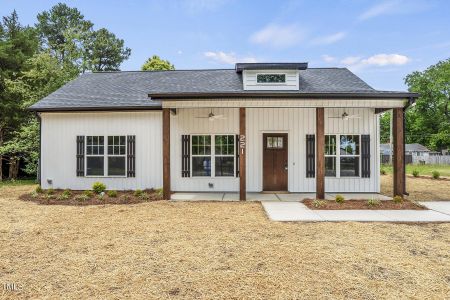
{"points": [[429, 177], [363, 204], [78, 198]]}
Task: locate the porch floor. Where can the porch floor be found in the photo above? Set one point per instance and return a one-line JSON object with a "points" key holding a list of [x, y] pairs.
{"points": [[275, 197]]}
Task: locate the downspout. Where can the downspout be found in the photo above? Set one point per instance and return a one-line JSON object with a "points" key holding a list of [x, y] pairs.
{"points": [[39, 177], [410, 102]]}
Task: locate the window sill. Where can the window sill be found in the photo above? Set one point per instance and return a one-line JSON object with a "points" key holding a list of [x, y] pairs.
{"points": [[107, 177]]}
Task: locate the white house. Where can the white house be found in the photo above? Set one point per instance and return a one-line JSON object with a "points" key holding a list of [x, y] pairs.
{"points": [[258, 127]]}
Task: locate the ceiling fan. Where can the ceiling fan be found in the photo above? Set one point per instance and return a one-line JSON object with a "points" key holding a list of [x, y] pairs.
{"points": [[345, 116], [211, 116]]}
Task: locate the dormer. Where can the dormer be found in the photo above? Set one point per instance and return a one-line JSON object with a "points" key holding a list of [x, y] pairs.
{"points": [[270, 76]]}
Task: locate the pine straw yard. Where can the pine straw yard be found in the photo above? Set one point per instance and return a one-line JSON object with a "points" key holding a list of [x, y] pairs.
{"points": [[420, 189], [211, 250]]}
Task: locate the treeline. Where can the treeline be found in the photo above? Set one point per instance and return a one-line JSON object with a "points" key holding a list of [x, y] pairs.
{"points": [[428, 120], [37, 60]]}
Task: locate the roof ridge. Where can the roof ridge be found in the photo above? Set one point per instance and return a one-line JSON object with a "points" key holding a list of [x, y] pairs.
{"points": [[155, 71]]}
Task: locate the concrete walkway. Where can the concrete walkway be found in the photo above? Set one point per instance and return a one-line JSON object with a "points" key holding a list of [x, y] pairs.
{"points": [[277, 197], [296, 211]]}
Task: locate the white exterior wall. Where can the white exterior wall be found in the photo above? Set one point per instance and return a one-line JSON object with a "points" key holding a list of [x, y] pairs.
{"points": [[185, 122], [251, 84], [298, 122], [59, 132]]}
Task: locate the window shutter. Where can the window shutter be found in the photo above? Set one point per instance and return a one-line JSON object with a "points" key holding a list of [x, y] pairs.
{"points": [[131, 156], [185, 155], [237, 155], [365, 156], [80, 155], [310, 156]]}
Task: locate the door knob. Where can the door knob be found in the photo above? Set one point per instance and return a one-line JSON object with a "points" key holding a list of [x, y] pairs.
{"points": [[286, 167]]}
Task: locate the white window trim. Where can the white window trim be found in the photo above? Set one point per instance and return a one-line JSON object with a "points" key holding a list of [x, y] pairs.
{"points": [[213, 155], [338, 155], [271, 83], [105, 157]]}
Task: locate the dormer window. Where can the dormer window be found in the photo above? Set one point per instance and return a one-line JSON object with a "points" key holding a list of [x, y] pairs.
{"points": [[271, 78]]}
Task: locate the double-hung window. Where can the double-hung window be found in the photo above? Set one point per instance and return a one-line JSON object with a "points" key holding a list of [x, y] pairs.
{"points": [[342, 155], [201, 155], [116, 155], [213, 155], [224, 155], [111, 162], [95, 156], [349, 155], [330, 155]]}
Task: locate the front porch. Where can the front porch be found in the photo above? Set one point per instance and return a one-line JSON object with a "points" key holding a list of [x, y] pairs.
{"points": [[271, 197]]}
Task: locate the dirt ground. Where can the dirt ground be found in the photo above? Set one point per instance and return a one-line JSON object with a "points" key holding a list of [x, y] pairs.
{"points": [[211, 250], [419, 189]]}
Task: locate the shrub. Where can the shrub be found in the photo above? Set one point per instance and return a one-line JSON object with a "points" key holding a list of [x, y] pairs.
{"points": [[50, 191], [373, 202], [98, 187], [159, 192], [435, 174], [83, 197], [63, 196], [34, 194], [39, 190], [138, 193], [339, 199], [112, 194], [318, 203], [144, 196], [67, 193], [88, 193], [415, 173], [383, 172], [398, 199]]}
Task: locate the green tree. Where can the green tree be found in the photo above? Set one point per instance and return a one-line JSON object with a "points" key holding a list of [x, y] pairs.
{"points": [[428, 122], [155, 63], [63, 30], [105, 52], [17, 44], [42, 74]]}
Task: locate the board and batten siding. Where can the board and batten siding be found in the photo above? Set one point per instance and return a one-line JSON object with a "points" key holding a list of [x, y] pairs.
{"points": [[59, 132], [251, 84], [187, 121], [298, 122]]}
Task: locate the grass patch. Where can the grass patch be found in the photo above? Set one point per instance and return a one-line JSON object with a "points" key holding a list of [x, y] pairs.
{"points": [[444, 170], [18, 182]]}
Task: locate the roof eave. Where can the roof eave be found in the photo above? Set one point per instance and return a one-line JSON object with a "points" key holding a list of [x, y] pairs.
{"points": [[95, 108], [341, 95]]}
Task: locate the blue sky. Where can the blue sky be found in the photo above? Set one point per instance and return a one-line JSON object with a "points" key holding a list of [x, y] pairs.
{"points": [[381, 41]]}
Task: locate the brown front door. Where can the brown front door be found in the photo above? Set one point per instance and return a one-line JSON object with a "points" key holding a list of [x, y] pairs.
{"points": [[275, 161]]}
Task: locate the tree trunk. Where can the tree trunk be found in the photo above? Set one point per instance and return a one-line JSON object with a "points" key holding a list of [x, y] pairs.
{"points": [[13, 168]]}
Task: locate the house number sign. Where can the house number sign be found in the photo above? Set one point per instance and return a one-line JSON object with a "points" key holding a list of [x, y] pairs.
{"points": [[242, 143]]}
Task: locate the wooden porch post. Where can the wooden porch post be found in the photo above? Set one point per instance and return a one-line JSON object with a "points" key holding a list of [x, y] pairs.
{"points": [[399, 154], [320, 146], [242, 149], [166, 153]]}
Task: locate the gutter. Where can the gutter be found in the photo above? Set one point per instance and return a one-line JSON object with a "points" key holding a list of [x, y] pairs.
{"points": [[96, 109]]}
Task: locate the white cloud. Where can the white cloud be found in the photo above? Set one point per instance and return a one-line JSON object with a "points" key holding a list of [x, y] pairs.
{"points": [[378, 60], [179, 52], [390, 7], [386, 59], [227, 58], [328, 58], [278, 36], [329, 39]]}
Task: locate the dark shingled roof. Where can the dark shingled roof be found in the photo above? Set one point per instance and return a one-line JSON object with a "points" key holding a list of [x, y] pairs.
{"points": [[131, 90]]}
